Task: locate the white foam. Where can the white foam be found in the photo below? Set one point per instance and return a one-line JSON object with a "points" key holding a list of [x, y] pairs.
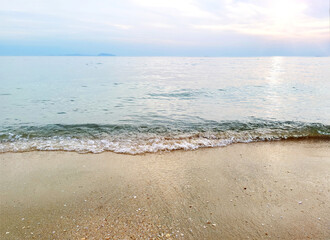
{"points": [[129, 146]]}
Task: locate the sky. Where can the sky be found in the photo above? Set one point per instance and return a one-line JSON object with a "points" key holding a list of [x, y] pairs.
{"points": [[165, 27]]}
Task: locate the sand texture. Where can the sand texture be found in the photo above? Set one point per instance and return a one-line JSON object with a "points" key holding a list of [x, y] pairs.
{"points": [[270, 190]]}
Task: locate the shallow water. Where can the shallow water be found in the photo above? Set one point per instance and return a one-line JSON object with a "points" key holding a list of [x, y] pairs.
{"points": [[147, 104]]}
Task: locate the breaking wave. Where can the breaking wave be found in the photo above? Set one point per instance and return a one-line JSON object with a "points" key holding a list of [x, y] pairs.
{"points": [[131, 139]]}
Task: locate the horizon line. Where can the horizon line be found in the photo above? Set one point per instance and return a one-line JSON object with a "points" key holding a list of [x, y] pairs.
{"points": [[82, 55]]}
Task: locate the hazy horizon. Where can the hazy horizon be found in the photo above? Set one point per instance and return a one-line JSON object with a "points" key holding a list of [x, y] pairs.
{"points": [[174, 56]]}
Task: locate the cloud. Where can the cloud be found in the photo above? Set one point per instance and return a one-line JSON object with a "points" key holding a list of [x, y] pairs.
{"points": [[279, 19], [185, 8], [121, 26], [183, 23], [161, 25]]}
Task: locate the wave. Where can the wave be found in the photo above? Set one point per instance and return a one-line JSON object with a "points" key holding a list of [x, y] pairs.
{"points": [[138, 139]]}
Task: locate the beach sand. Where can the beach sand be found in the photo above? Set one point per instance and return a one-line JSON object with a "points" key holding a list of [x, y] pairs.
{"points": [[266, 190]]}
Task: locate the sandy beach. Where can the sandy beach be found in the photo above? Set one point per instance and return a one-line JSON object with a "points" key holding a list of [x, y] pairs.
{"points": [[266, 190]]}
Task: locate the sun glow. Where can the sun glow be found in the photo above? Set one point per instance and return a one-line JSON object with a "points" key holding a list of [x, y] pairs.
{"points": [[284, 12]]}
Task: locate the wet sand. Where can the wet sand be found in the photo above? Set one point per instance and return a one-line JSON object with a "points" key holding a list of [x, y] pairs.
{"points": [[270, 190]]}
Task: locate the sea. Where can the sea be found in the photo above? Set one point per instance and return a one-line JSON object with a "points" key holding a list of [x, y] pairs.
{"points": [[137, 105]]}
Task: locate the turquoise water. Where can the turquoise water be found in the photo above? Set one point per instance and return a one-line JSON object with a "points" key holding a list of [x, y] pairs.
{"points": [[148, 104]]}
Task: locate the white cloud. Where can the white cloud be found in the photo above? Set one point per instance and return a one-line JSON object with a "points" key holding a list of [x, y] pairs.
{"points": [[161, 25], [121, 26], [278, 19], [172, 22], [186, 8]]}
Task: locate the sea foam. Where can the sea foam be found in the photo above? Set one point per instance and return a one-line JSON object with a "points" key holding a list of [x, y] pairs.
{"points": [[93, 138]]}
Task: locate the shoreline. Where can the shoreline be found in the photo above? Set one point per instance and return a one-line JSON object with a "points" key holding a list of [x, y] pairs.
{"points": [[310, 139], [260, 190]]}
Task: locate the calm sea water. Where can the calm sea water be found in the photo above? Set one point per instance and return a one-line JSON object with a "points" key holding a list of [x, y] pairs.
{"points": [[148, 104]]}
